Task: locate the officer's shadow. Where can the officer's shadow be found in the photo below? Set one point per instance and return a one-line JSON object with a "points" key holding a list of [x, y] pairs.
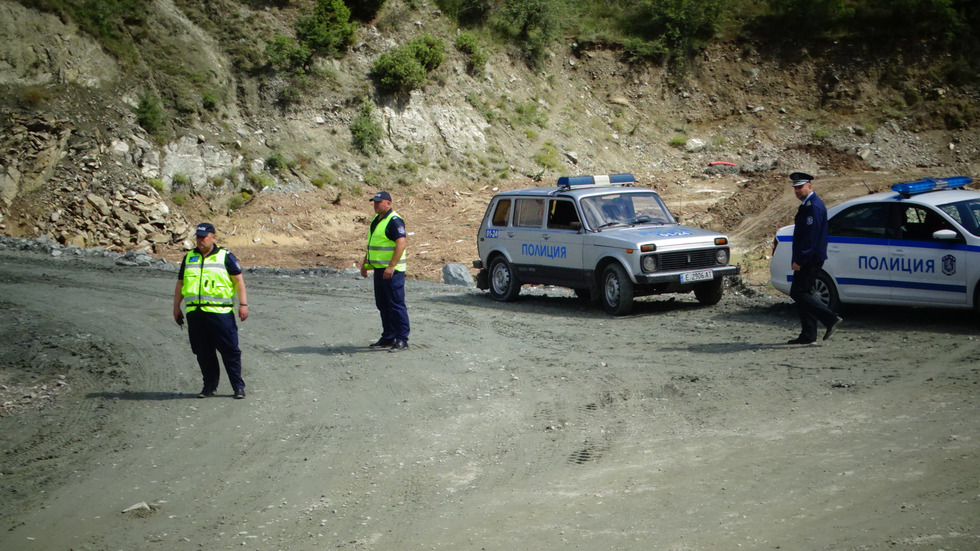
{"points": [[329, 350], [140, 396]]}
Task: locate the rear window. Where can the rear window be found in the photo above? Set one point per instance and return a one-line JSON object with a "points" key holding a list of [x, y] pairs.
{"points": [[501, 213], [870, 220]]}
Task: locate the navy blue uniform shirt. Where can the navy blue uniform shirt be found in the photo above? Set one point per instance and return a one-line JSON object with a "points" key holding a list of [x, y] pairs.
{"points": [[810, 233]]}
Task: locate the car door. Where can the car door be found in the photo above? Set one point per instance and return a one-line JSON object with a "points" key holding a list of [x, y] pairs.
{"points": [[857, 246], [563, 242], [926, 270], [528, 247], [497, 232]]}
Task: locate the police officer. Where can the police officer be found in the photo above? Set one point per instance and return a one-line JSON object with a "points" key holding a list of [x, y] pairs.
{"points": [[809, 253], [387, 241], [209, 279]]}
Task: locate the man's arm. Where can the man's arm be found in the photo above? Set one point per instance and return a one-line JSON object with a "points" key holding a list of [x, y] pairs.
{"points": [[239, 280], [178, 298], [400, 244]]}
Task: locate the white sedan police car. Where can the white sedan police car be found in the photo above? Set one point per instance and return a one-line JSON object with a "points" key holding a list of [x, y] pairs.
{"points": [[601, 236], [917, 245]]}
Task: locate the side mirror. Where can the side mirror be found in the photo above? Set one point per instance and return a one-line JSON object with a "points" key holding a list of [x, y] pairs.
{"points": [[945, 235]]}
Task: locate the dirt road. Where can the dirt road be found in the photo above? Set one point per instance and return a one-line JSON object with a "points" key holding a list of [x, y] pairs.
{"points": [[541, 424]]}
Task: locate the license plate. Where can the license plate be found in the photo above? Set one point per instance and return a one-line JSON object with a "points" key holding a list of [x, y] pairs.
{"points": [[701, 275]]}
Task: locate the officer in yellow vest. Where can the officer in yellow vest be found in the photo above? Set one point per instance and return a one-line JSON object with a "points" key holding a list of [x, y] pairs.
{"points": [[209, 279], [387, 241]]}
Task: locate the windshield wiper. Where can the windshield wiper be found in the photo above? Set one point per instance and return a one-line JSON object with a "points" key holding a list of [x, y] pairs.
{"points": [[613, 223]]}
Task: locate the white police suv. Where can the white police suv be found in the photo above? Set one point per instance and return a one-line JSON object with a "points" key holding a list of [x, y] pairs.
{"points": [[602, 237], [917, 245]]}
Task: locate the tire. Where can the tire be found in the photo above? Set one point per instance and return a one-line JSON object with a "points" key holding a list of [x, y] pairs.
{"points": [[826, 291], [709, 293], [504, 285], [617, 290]]}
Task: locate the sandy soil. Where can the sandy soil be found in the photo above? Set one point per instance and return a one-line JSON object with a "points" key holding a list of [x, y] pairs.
{"points": [[541, 424]]}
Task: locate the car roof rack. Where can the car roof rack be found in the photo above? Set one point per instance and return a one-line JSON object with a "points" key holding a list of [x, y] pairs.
{"points": [[574, 182], [925, 185]]}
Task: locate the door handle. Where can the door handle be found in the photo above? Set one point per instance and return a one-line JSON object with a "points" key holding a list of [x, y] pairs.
{"points": [[545, 236], [510, 234]]}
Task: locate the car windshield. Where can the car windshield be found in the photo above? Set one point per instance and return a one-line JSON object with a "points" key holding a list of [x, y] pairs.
{"points": [[966, 213], [625, 209]]}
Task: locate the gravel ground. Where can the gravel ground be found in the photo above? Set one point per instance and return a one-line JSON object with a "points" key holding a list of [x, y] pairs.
{"points": [[539, 424]]}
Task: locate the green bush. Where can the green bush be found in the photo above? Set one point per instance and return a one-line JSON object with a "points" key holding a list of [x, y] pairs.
{"points": [[366, 132], [547, 156], [180, 182], [467, 12], [675, 29], [285, 53], [105, 18], [467, 43], [178, 199], [534, 24], [328, 31], [276, 162], [209, 102], [239, 200], [158, 184], [428, 50], [149, 113], [398, 71], [814, 18]]}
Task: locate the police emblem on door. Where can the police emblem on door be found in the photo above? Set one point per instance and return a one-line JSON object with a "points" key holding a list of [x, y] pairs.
{"points": [[949, 264]]}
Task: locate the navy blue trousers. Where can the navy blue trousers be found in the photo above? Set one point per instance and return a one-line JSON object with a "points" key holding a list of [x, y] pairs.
{"points": [[211, 334], [810, 307], [389, 296]]}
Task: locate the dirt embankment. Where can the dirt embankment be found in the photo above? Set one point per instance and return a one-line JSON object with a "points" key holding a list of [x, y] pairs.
{"points": [[540, 424]]}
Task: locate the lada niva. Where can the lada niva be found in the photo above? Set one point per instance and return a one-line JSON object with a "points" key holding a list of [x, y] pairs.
{"points": [[602, 236]]}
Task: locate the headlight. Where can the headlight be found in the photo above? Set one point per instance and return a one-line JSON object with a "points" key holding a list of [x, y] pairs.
{"points": [[721, 255], [649, 263]]}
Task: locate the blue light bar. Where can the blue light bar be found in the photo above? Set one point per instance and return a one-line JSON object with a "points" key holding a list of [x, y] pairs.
{"points": [[598, 180], [930, 184]]}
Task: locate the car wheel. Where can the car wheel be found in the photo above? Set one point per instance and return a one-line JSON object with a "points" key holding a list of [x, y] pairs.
{"points": [[826, 291], [504, 285], [617, 290], [709, 293]]}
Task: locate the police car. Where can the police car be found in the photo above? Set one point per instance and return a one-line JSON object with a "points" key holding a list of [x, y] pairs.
{"points": [[601, 236], [918, 245]]}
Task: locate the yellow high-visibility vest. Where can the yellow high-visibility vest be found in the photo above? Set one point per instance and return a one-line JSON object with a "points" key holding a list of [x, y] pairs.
{"points": [[380, 249], [207, 284]]}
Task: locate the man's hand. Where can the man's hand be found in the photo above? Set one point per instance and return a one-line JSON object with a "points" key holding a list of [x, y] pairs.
{"points": [[796, 267], [388, 272], [243, 312], [179, 317]]}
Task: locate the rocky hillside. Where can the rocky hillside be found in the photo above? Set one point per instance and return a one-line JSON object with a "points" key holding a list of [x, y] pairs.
{"points": [[76, 166]]}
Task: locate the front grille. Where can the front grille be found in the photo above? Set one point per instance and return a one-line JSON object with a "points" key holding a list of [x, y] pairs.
{"points": [[686, 260]]}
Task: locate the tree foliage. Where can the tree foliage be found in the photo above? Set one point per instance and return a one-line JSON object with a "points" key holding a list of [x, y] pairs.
{"points": [[328, 30], [364, 10]]}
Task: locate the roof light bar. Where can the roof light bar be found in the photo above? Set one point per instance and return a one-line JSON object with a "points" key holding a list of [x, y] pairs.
{"points": [[930, 184], [569, 182]]}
